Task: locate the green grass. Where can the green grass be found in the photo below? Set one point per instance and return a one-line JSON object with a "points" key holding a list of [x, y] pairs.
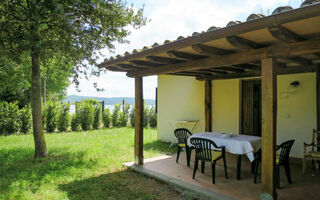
{"points": [[81, 165]]}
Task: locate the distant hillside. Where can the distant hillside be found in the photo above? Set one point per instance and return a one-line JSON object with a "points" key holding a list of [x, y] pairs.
{"points": [[108, 101]]}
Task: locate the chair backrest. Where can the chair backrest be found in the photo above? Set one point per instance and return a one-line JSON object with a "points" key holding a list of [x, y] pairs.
{"points": [[182, 135], [315, 138], [285, 148], [203, 148]]}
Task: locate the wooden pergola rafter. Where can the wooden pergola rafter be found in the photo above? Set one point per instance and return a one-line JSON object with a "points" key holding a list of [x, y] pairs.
{"points": [[286, 42]]}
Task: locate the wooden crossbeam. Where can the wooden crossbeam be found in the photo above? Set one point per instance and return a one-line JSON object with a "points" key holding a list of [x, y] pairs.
{"points": [[230, 69], [248, 66], [129, 66], [145, 63], [243, 43], [283, 34], [253, 55], [212, 71], [164, 60], [280, 71], [210, 50], [185, 56]]}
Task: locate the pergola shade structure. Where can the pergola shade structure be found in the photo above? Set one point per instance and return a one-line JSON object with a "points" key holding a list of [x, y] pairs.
{"points": [[286, 42]]}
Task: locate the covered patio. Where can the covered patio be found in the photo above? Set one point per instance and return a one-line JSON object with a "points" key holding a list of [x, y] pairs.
{"points": [[286, 42], [180, 176]]}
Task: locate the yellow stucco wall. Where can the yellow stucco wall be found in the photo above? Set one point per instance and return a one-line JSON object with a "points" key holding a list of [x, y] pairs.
{"points": [[179, 98], [225, 106], [183, 98], [296, 110]]}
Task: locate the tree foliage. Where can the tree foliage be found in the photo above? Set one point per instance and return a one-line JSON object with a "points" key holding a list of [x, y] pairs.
{"points": [[76, 29]]}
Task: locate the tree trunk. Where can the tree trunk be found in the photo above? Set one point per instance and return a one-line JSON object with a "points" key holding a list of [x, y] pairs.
{"points": [[39, 141]]}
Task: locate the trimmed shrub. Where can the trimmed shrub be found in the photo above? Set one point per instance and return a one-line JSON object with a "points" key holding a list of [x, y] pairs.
{"points": [[146, 117], [153, 117], [124, 115], [132, 113], [97, 117], [51, 116], [106, 118], [85, 113], [116, 115], [74, 122], [25, 119], [9, 118], [63, 117]]}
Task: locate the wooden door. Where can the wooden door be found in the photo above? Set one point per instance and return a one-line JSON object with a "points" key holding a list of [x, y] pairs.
{"points": [[251, 107]]}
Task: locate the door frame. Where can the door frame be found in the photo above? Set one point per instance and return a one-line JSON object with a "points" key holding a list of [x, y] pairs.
{"points": [[240, 102]]}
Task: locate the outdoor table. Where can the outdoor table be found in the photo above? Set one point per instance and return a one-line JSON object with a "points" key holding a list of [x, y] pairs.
{"points": [[234, 143]]}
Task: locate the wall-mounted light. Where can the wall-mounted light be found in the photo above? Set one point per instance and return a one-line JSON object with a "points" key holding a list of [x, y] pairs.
{"points": [[295, 84]]}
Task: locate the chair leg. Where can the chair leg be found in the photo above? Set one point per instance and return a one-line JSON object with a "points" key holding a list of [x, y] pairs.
{"points": [[278, 176], [213, 166], [202, 166], [225, 166], [304, 165], [256, 171], [178, 153], [188, 157], [287, 169], [195, 167]]}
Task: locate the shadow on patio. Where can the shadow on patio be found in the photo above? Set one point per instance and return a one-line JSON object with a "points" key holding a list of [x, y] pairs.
{"points": [[180, 176]]}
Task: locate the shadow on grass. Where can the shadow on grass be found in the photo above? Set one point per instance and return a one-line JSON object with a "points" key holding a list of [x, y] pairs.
{"points": [[19, 169], [162, 147], [119, 185]]}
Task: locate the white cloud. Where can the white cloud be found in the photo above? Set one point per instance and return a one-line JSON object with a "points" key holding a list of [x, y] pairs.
{"points": [[170, 19]]}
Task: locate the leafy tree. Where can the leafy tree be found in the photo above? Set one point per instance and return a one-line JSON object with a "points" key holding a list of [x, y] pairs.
{"points": [[74, 28]]}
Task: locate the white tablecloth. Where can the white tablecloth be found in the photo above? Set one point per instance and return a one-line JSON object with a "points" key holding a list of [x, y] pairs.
{"points": [[235, 144]]}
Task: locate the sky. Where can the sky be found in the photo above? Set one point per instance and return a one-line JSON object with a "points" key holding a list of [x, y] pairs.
{"points": [[169, 19]]}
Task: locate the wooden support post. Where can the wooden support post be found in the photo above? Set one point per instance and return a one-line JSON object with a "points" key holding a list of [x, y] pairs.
{"points": [[269, 126], [208, 106], [138, 138]]}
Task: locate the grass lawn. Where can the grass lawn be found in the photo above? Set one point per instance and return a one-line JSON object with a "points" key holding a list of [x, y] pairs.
{"points": [[81, 165]]}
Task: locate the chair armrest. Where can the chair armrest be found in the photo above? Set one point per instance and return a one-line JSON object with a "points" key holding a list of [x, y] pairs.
{"points": [[306, 144]]}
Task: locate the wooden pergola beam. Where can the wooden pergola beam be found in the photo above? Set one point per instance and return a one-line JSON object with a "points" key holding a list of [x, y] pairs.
{"points": [[210, 51], [231, 69], [138, 120], [143, 63], [269, 126], [243, 43], [280, 71], [253, 55], [185, 56], [163, 60], [283, 34]]}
